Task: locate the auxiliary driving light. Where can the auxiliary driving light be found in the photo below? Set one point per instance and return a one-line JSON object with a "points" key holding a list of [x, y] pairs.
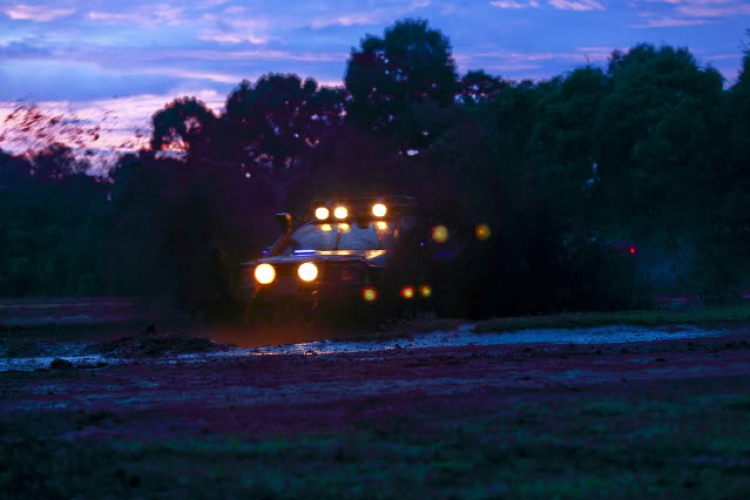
{"points": [[425, 291], [369, 294], [379, 210], [308, 271], [482, 232], [407, 292], [322, 213], [440, 234], [341, 213], [265, 274]]}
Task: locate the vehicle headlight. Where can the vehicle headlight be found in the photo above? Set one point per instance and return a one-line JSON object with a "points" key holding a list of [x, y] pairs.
{"points": [[322, 213], [379, 210], [265, 274], [308, 271], [341, 213]]}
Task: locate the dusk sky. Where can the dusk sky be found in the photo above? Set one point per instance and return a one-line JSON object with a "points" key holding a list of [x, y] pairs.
{"points": [[131, 57]]}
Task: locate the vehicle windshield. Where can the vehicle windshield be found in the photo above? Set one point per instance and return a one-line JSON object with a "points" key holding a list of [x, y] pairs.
{"points": [[374, 236], [352, 237]]}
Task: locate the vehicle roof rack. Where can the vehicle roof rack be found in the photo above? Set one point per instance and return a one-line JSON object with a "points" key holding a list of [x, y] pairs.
{"points": [[392, 201], [361, 207]]}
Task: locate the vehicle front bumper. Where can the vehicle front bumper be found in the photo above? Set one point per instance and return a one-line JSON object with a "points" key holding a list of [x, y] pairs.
{"points": [[314, 296]]}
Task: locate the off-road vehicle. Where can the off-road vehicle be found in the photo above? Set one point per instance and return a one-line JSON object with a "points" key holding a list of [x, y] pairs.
{"points": [[336, 258]]}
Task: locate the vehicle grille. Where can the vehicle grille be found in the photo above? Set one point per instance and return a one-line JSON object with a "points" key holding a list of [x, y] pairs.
{"points": [[345, 273], [286, 269]]}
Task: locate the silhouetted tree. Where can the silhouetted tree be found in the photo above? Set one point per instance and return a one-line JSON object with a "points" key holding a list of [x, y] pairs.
{"points": [[410, 64], [275, 121], [183, 126], [56, 162], [562, 144], [478, 87], [652, 145], [655, 138]]}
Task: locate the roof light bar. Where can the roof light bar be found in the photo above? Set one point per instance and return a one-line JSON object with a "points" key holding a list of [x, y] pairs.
{"points": [[341, 213], [379, 210], [322, 213]]}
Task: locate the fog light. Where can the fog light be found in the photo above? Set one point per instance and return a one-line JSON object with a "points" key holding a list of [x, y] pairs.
{"points": [[307, 271], [265, 274]]}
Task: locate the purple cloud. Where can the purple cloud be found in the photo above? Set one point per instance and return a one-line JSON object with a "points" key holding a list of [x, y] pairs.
{"points": [[690, 12], [512, 4], [39, 14], [578, 5]]}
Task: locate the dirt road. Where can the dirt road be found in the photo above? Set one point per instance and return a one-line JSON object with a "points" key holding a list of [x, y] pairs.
{"points": [[626, 420]]}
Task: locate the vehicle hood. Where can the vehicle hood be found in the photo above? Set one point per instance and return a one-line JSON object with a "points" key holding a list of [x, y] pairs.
{"points": [[371, 257]]}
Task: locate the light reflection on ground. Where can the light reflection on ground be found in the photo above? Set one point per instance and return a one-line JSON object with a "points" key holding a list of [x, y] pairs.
{"points": [[463, 336], [80, 353]]}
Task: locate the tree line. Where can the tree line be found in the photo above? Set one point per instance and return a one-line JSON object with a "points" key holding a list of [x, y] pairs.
{"points": [[651, 148]]}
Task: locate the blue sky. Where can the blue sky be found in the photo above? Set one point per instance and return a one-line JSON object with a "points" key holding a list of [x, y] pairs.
{"points": [[135, 55]]}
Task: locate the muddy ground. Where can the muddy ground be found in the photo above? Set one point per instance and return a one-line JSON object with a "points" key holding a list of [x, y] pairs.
{"points": [[168, 416]]}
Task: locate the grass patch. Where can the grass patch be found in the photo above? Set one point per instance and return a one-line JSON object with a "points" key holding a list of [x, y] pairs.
{"points": [[422, 324], [570, 448], [710, 315]]}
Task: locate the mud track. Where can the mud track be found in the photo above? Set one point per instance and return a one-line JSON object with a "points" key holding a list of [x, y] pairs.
{"points": [[466, 421]]}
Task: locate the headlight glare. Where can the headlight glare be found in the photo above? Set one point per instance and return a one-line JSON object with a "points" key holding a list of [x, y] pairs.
{"points": [[379, 210], [265, 274], [370, 294], [322, 213], [341, 213], [307, 271]]}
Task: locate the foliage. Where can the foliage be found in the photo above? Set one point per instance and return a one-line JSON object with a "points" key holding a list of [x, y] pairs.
{"points": [[47, 249], [651, 148], [738, 313], [410, 64], [274, 121], [183, 125]]}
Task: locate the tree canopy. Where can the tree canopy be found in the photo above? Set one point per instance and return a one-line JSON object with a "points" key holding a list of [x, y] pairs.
{"points": [[651, 147], [412, 63]]}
